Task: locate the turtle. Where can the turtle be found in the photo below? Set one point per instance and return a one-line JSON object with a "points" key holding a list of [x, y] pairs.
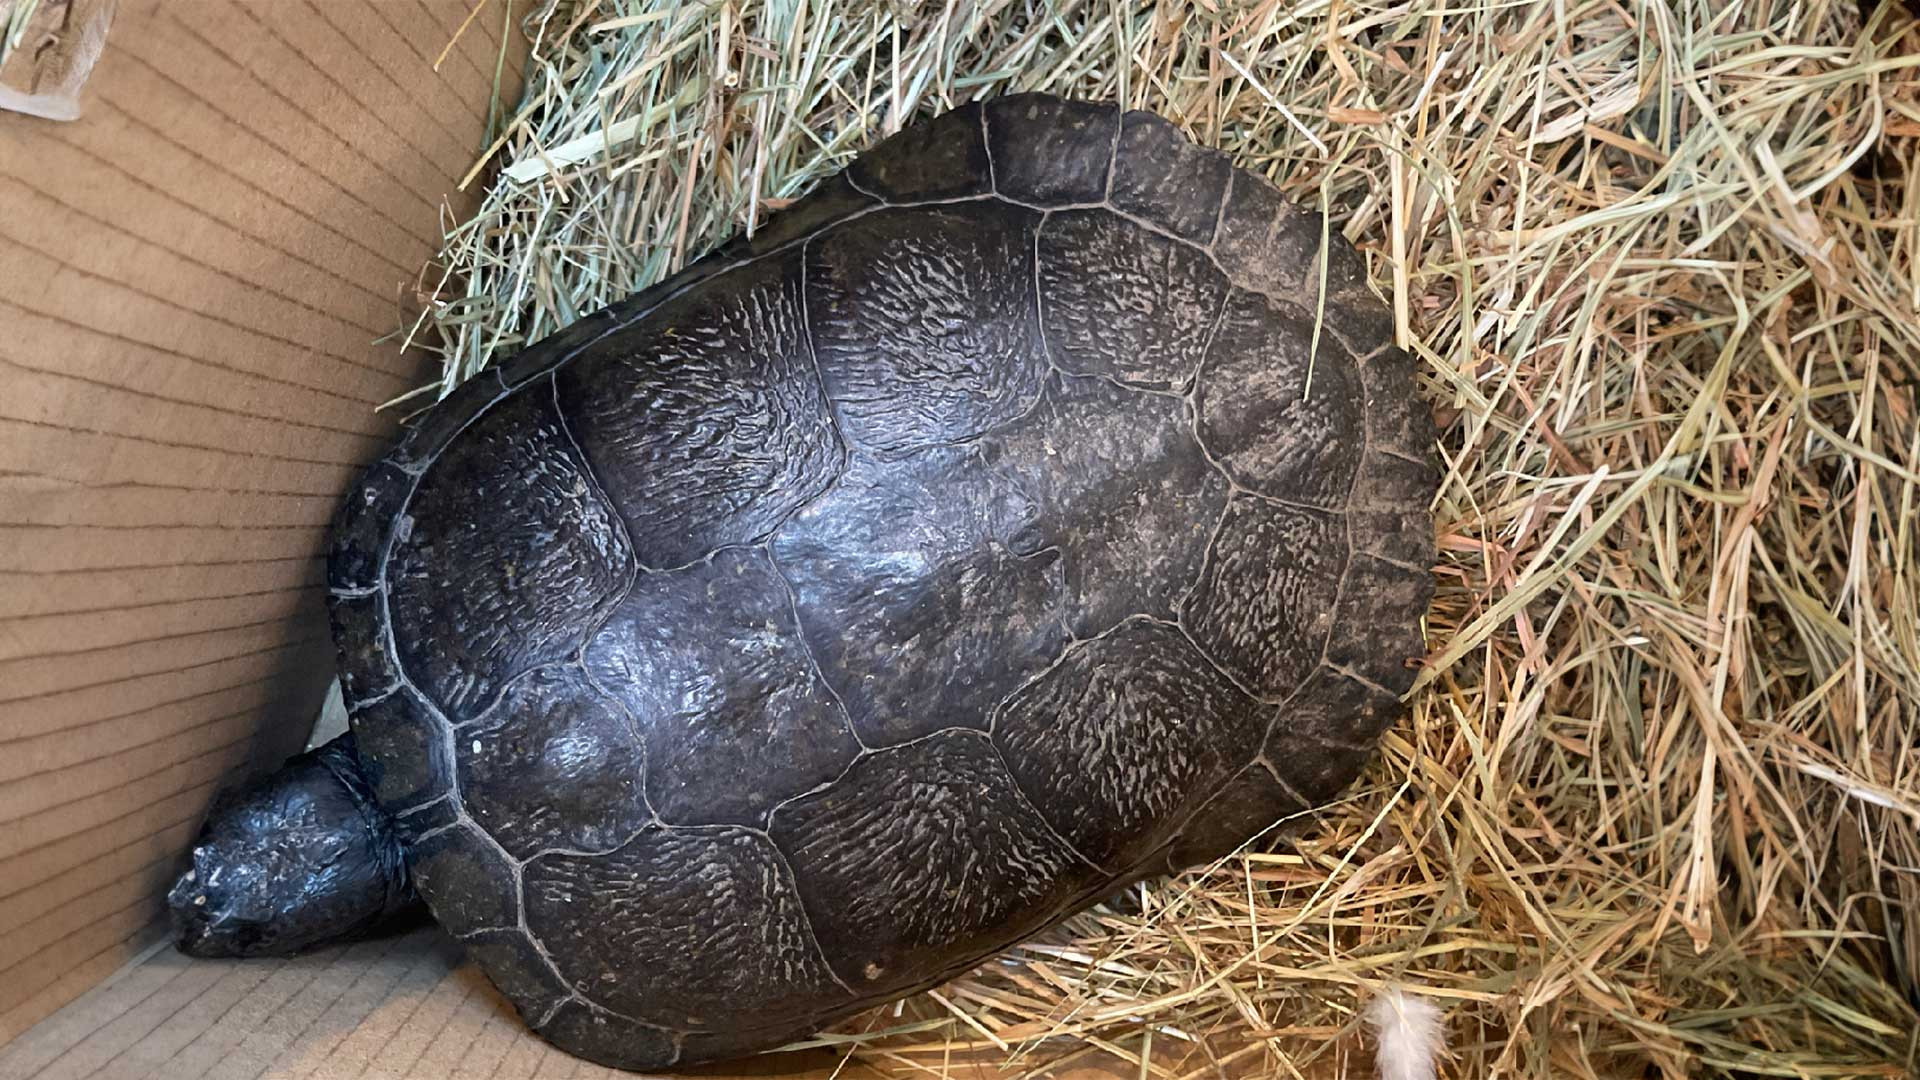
{"points": [[1038, 505]]}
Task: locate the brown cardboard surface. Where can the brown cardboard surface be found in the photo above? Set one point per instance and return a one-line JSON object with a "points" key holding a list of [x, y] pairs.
{"points": [[193, 277], [408, 1006]]}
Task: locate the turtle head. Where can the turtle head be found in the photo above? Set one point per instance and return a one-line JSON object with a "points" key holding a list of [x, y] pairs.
{"points": [[295, 859]]}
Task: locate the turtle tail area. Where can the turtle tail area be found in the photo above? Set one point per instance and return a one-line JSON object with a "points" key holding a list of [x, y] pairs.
{"points": [[298, 858]]}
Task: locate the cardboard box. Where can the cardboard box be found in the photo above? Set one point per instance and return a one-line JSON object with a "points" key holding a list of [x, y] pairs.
{"points": [[195, 275]]}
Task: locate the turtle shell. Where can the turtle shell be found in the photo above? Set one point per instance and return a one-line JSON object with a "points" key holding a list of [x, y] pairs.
{"points": [[989, 530]]}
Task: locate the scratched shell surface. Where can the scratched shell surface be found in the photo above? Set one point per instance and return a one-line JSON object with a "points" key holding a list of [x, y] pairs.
{"points": [[991, 529]]}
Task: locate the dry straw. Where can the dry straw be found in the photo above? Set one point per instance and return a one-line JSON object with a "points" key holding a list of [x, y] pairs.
{"points": [[1655, 807]]}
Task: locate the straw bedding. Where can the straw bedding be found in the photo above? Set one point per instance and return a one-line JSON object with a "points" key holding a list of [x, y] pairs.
{"points": [[1654, 808]]}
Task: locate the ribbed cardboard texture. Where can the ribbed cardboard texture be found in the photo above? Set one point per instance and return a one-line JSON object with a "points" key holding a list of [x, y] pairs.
{"points": [[193, 279], [410, 1006]]}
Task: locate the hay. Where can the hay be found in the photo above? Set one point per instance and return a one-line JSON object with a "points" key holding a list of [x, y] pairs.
{"points": [[1655, 809]]}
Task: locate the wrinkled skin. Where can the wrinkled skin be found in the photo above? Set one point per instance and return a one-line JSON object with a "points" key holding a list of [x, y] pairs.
{"points": [[294, 860]]}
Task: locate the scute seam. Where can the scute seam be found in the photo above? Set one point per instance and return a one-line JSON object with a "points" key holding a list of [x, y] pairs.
{"points": [[786, 866], [1206, 559], [791, 881], [613, 511], [376, 697], [986, 146], [423, 806], [847, 175], [632, 724], [1032, 806], [1391, 561], [1346, 531], [438, 829], [499, 698], [1073, 644], [820, 377], [1077, 902], [1359, 677], [675, 1037], [857, 759], [1220, 212], [389, 535], [1113, 151], [813, 662], [1206, 349], [1259, 762], [1040, 306], [1276, 703], [1233, 486], [1264, 762], [1389, 451], [547, 1017], [452, 782]]}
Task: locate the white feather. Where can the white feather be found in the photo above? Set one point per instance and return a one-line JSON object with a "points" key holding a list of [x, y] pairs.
{"points": [[1407, 1036]]}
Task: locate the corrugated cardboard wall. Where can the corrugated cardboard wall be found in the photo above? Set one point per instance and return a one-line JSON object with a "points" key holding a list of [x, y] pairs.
{"points": [[192, 279]]}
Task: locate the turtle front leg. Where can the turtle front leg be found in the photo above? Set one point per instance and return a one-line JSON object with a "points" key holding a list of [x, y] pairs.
{"points": [[298, 858]]}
